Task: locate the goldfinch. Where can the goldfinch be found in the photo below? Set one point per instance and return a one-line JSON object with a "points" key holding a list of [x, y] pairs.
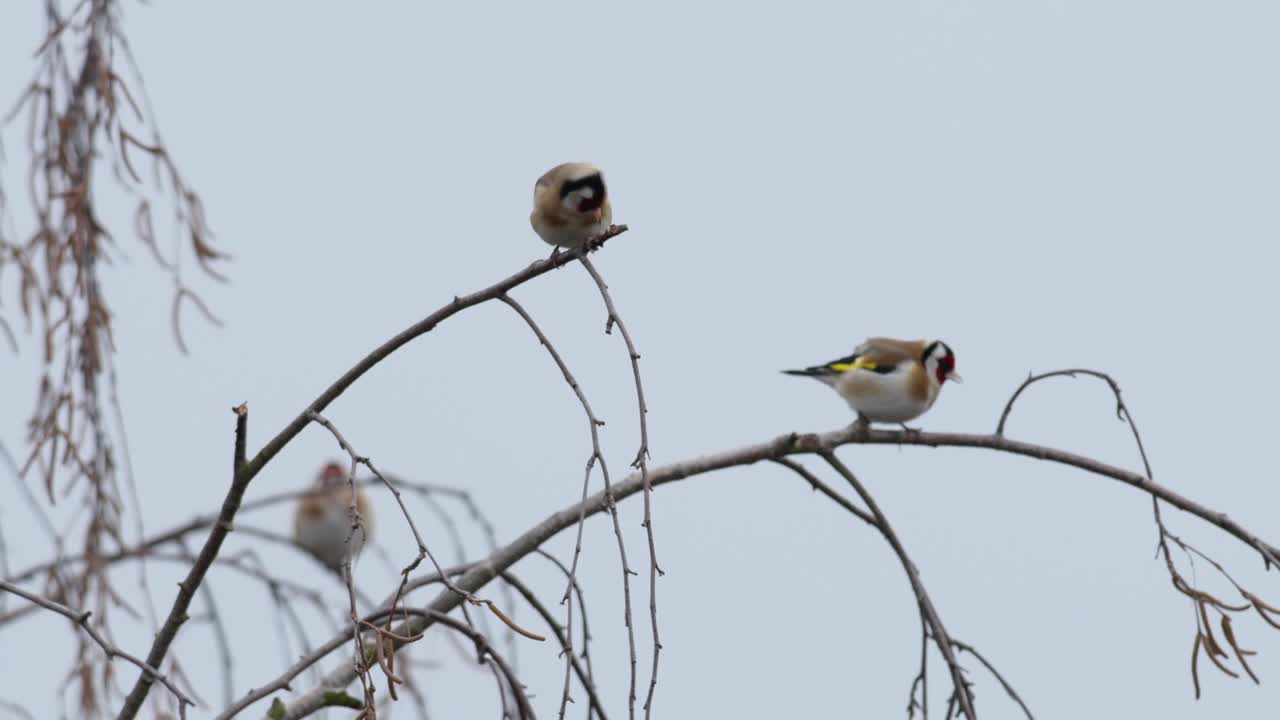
{"points": [[887, 380], [570, 205], [321, 524]]}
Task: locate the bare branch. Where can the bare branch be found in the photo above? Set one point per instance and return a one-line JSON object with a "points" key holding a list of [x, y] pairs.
{"points": [[246, 472], [1071, 373], [282, 682], [81, 619], [642, 463], [487, 651], [936, 628], [16, 710], [566, 642], [482, 572], [597, 455], [1200, 599], [242, 431], [1013, 694], [927, 615], [314, 656], [221, 641], [187, 588], [825, 489], [204, 521], [357, 459], [922, 677], [358, 526], [582, 603], [8, 334]]}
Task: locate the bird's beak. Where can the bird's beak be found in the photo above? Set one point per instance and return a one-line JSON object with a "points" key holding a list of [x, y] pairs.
{"points": [[954, 376]]}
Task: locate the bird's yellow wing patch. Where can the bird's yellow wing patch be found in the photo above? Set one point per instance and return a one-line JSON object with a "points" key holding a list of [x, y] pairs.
{"points": [[859, 364]]}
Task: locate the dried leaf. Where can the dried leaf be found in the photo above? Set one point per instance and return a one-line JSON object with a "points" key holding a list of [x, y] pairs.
{"points": [[1240, 654]]}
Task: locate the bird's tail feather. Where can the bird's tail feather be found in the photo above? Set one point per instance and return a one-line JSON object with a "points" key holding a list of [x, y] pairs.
{"points": [[815, 371], [821, 373]]}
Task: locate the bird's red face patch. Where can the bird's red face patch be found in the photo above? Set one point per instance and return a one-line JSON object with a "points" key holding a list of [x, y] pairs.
{"points": [[946, 365], [332, 475]]}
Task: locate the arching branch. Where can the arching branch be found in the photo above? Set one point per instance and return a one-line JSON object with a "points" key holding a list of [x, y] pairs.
{"points": [[780, 447]]}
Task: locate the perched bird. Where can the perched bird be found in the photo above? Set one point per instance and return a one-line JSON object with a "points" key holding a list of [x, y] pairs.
{"points": [[322, 522], [887, 380], [570, 205]]}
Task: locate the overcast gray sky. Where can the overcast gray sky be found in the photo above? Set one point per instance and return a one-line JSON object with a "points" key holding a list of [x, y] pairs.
{"points": [[1042, 185]]}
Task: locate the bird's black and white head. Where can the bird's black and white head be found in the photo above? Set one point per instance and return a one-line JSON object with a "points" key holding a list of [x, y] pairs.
{"points": [[332, 476], [940, 362], [578, 187]]}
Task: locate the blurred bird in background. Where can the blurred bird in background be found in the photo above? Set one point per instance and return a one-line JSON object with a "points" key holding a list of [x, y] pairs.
{"points": [[322, 522]]}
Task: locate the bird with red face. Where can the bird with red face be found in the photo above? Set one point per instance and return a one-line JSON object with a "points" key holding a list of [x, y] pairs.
{"points": [[322, 524], [888, 380], [570, 205]]}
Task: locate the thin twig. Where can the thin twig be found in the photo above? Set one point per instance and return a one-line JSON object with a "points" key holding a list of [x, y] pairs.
{"points": [[314, 656], [17, 710], [566, 643], [187, 588], [922, 677], [81, 619], [242, 432], [936, 628], [450, 527], [358, 526], [487, 650], [641, 463], [428, 491], [1200, 599], [131, 482], [357, 459], [282, 683], [825, 489], [593, 423], [586, 628], [204, 521], [1013, 694], [399, 639]]}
